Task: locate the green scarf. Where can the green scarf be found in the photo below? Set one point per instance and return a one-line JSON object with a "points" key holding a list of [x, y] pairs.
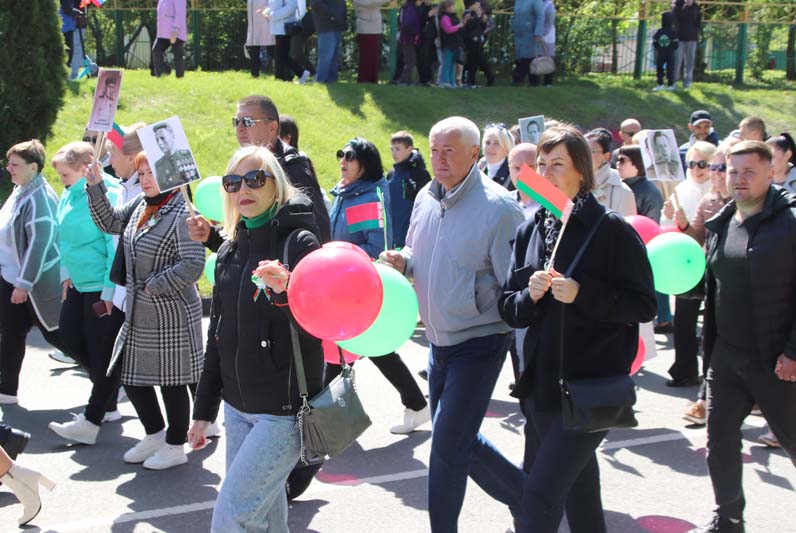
{"points": [[260, 220]]}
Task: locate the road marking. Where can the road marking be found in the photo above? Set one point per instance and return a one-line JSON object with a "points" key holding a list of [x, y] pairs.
{"points": [[320, 488]]}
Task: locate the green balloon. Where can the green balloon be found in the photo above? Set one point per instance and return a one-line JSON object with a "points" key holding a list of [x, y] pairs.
{"points": [[207, 198], [396, 321], [210, 268], [678, 262]]}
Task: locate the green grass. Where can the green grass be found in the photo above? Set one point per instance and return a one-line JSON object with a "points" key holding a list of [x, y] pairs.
{"points": [[328, 116]]}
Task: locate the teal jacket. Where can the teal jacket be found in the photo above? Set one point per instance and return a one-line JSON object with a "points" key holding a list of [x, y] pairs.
{"points": [[86, 253]]}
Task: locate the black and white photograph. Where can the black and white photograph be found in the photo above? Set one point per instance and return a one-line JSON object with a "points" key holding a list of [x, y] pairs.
{"points": [[531, 129], [169, 154], [106, 99], [661, 155]]}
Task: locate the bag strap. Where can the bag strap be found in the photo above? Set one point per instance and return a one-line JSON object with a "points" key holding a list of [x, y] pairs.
{"points": [[569, 272]]}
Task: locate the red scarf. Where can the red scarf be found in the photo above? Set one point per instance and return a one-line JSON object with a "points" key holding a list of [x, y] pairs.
{"points": [[151, 209]]}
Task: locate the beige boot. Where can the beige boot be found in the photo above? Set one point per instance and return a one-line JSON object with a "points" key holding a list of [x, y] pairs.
{"points": [[24, 483]]}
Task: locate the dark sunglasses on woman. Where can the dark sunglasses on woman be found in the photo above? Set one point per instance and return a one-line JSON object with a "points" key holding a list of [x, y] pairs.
{"points": [[701, 164], [718, 167], [254, 180], [348, 155]]}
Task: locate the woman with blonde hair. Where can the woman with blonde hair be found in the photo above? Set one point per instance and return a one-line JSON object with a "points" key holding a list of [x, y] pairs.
{"points": [[496, 145], [160, 343], [249, 360]]}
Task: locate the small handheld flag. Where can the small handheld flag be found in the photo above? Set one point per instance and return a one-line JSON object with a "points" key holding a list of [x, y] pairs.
{"points": [[364, 217], [544, 192], [116, 136], [384, 218]]}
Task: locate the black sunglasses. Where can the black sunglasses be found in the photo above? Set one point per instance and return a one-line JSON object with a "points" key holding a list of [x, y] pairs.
{"points": [[718, 167], [248, 122], [701, 164], [498, 125], [622, 159], [88, 139], [348, 155], [254, 180]]}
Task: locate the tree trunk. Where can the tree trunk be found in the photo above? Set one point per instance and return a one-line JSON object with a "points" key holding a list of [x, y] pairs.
{"points": [[790, 54]]}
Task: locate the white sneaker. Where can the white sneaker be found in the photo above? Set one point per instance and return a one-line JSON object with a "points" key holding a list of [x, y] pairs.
{"points": [[304, 76], [61, 357], [213, 431], [659, 88], [112, 416], [7, 399], [78, 430], [412, 421], [145, 448], [671, 88], [166, 456]]}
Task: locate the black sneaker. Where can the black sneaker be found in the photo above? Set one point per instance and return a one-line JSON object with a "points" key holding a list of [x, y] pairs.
{"points": [[684, 382], [720, 524]]}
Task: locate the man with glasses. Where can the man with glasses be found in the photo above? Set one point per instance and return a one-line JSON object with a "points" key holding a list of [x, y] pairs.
{"points": [[701, 128], [627, 129], [256, 122]]}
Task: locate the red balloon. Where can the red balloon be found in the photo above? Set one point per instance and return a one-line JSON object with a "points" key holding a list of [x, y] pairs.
{"points": [[644, 226], [346, 246], [335, 293], [330, 354], [639, 360], [670, 229]]}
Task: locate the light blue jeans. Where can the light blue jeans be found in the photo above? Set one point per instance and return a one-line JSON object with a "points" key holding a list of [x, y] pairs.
{"points": [[261, 452], [329, 50], [77, 54]]}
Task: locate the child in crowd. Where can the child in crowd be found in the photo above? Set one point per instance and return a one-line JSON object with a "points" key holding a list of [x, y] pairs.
{"points": [[665, 43], [450, 41], [405, 179]]}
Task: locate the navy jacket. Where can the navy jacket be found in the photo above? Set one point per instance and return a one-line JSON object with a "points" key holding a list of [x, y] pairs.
{"points": [[405, 179]]}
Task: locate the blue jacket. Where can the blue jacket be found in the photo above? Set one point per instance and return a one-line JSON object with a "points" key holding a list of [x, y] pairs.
{"points": [[528, 20], [405, 180], [357, 193]]}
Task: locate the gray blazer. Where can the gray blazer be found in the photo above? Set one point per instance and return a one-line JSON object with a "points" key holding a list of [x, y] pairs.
{"points": [[161, 339]]}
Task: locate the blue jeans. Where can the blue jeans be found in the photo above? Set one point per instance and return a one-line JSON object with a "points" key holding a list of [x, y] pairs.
{"points": [[664, 311], [261, 452], [564, 474], [77, 54], [461, 379], [448, 73], [328, 56]]}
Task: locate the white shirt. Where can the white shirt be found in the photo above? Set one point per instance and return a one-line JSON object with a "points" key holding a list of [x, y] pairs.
{"points": [[9, 262], [492, 168], [130, 189], [689, 193]]}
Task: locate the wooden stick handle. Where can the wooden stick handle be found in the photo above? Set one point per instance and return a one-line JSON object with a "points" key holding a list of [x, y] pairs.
{"points": [[184, 190], [98, 145]]}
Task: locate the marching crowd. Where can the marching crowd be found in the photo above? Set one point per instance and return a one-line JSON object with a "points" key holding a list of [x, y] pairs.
{"points": [[108, 273]]}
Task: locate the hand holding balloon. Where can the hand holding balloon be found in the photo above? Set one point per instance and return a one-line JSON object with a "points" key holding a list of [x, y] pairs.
{"points": [[274, 275]]}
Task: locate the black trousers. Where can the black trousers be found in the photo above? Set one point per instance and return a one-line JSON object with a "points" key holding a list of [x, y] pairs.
{"points": [[476, 59], [395, 370], [16, 320], [68, 41], [409, 52], [159, 56], [735, 383], [564, 475], [255, 60], [178, 410], [91, 338], [298, 53], [665, 59], [285, 67], [686, 344], [426, 57], [547, 79]]}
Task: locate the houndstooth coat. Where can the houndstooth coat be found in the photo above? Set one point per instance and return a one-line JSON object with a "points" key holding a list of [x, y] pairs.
{"points": [[160, 342]]}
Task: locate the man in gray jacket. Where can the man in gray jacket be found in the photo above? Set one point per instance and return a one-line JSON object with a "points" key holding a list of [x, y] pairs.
{"points": [[458, 250]]}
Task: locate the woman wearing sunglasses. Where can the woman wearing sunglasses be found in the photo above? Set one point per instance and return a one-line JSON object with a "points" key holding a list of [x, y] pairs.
{"points": [[160, 343], [249, 361], [361, 179], [685, 371]]}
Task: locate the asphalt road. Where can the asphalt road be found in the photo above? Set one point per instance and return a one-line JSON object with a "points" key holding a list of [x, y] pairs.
{"points": [[654, 477]]}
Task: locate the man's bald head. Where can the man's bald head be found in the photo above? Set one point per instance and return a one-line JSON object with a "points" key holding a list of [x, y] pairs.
{"points": [[523, 153], [628, 128]]}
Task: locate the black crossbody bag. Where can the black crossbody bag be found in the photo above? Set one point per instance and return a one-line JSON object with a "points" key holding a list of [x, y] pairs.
{"points": [[594, 404]]}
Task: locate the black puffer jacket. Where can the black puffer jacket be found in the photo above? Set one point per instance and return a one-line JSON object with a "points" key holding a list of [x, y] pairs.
{"points": [[249, 357], [771, 256]]}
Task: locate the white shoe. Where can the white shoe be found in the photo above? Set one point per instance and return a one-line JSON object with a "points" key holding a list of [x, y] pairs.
{"points": [[24, 483], [213, 431], [8, 399], [304, 76], [112, 416], [166, 456], [412, 421], [145, 448], [61, 357], [122, 396], [671, 88], [659, 88], [78, 430]]}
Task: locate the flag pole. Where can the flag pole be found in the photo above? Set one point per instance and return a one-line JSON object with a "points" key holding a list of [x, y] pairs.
{"points": [[565, 222], [98, 145], [384, 214]]}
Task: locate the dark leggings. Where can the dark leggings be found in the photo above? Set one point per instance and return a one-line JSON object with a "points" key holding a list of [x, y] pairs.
{"points": [[686, 343], [16, 320], [91, 339], [285, 67], [394, 369], [159, 59], [175, 398]]}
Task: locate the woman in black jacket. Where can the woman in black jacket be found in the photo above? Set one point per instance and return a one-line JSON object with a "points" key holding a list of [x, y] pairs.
{"points": [[249, 360], [600, 303]]}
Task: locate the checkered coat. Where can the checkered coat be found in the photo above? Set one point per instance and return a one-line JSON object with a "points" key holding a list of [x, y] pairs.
{"points": [[160, 342]]}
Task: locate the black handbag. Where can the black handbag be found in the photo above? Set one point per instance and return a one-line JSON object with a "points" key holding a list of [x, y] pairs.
{"points": [[594, 404], [294, 28]]}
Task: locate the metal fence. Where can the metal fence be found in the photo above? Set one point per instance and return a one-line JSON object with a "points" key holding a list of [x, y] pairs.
{"points": [[728, 51]]}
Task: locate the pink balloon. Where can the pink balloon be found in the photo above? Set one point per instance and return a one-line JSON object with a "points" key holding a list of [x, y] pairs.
{"points": [[670, 229], [335, 293], [346, 246], [644, 226], [330, 354], [639, 360]]}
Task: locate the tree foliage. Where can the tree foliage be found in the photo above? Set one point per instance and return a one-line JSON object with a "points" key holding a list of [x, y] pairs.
{"points": [[32, 87]]}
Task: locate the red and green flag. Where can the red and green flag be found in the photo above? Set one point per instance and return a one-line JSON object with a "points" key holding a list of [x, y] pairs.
{"points": [[363, 217], [84, 3], [544, 192], [116, 136]]}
